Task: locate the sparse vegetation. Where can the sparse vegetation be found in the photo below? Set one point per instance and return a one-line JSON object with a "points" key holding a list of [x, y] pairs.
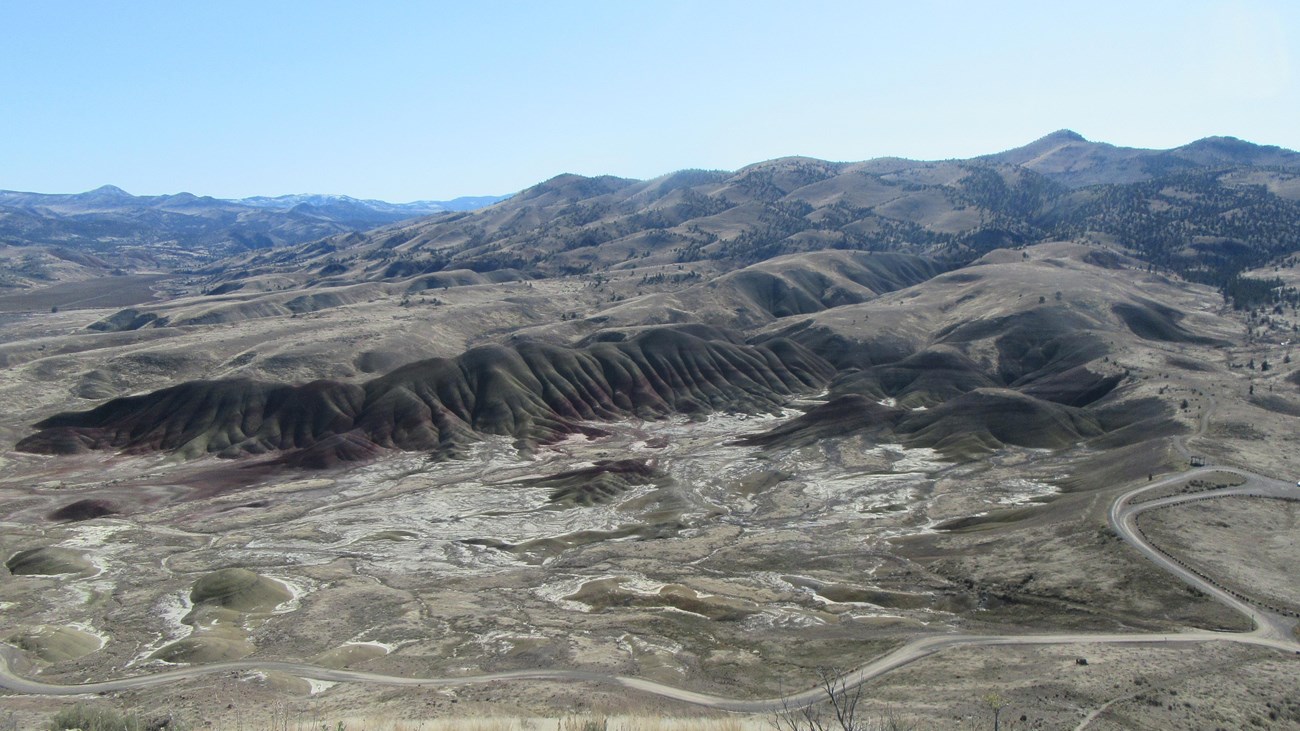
{"points": [[82, 717], [841, 708]]}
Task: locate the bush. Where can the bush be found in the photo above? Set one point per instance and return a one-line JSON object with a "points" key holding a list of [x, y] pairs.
{"points": [[88, 718], [584, 723], [838, 710]]}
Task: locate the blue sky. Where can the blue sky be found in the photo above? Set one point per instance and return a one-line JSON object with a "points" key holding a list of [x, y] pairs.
{"points": [[413, 100]]}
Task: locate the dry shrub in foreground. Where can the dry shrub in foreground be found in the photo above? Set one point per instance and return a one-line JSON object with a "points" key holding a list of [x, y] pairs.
{"points": [[839, 710]]}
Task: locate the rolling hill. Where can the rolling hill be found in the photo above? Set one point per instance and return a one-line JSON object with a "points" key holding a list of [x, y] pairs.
{"points": [[1206, 210]]}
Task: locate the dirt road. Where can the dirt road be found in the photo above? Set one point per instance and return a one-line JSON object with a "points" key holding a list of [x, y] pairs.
{"points": [[1271, 630]]}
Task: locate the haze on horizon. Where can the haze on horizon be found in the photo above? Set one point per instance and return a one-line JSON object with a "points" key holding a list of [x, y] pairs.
{"points": [[435, 101]]}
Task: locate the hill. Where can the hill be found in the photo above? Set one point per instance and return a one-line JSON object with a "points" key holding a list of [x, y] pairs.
{"points": [[1068, 158], [1206, 210], [532, 392], [1013, 350]]}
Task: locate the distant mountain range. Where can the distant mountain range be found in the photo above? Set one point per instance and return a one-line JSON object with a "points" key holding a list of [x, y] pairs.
{"points": [[1067, 158], [1206, 210], [170, 231], [343, 202]]}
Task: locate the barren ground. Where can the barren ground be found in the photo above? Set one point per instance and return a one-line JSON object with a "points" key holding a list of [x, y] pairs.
{"points": [[736, 571], [1253, 543]]}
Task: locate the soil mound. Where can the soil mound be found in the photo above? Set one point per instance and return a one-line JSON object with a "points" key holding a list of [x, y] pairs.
{"points": [[333, 451], [203, 650], [56, 644], [1153, 321], [349, 655], [1077, 386], [223, 417], [87, 509], [926, 378], [240, 590], [802, 284], [602, 594], [1132, 422], [48, 561]]}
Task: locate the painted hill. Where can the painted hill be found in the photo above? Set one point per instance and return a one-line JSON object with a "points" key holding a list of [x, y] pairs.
{"points": [[533, 392], [1018, 349]]}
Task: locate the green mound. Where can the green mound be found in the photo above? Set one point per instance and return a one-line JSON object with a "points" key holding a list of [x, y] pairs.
{"points": [[349, 654], [56, 644], [48, 561], [203, 650], [240, 590]]}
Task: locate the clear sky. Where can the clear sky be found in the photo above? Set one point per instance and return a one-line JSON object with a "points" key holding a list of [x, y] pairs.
{"points": [[411, 100]]}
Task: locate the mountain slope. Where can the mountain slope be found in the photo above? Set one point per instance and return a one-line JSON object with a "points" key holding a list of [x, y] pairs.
{"points": [[1019, 349], [1067, 158], [1207, 210]]}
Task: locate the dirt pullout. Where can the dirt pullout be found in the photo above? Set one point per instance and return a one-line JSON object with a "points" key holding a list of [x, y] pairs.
{"points": [[1250, 544]]}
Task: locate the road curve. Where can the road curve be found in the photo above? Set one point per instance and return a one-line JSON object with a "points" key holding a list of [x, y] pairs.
{"points": [[1271, 630], [1123, 518], [910, 652]]}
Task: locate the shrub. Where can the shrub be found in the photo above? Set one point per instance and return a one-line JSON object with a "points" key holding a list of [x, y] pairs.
{"points": [[96, 718]]}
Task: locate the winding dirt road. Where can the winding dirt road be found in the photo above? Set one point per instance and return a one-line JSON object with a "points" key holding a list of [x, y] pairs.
{"points": [[1272, 630]]}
